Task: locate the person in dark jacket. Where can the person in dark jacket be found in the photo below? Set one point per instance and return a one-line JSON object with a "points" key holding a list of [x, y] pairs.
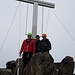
{"points": [[28, 49], [45, 44], [37, 41]]}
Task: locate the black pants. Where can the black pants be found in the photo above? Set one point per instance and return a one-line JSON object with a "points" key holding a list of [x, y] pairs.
{"points": [[26, 58]]}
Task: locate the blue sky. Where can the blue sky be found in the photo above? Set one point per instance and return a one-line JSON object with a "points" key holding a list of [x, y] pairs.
{"points": [[62, 44]]}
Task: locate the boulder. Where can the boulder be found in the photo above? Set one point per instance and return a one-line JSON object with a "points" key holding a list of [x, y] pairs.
{"points": [[68, 64], [21, 66], [15, 65], [11, 64], [5, 72], [40, 64], [60, 68]]}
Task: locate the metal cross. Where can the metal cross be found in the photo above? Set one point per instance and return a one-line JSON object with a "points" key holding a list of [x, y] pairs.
{"points": [[35, 12]]}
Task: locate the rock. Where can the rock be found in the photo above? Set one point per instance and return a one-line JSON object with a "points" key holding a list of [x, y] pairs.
{"points": [[11, 64], [68, 64], [21, 66], [40, 64], [51, 70], [5, 72], [60, 68]]}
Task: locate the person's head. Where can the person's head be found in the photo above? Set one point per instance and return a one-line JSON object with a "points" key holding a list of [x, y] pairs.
{"points": [[44, 36], [29, 36], [37, 37]]}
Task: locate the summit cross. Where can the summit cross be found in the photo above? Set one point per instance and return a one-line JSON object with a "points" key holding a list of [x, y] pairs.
{"points": [[35, 12]]}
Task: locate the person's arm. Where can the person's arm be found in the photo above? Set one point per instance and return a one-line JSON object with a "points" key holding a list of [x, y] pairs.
{"points": [[21, 50], [49, 45]]}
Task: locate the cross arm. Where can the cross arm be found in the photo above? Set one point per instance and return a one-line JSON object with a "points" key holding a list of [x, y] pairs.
{"points": [[41, 3]]}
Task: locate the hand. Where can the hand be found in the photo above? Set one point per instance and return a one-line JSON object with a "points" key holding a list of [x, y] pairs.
{"points": [[19, 55]]}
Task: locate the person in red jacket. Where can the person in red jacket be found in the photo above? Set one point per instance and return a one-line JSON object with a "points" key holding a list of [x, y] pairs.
{"points": [[28, 49]]}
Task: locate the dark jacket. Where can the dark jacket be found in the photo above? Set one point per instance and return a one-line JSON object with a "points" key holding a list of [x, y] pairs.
{"points": [[37, 45], [44, 46]]}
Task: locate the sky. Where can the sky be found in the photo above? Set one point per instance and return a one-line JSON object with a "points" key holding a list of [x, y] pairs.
{"points": [[62, 43]]}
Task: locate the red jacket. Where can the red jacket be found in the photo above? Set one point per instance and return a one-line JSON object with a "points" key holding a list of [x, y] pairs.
{"points": [[28, 46]]}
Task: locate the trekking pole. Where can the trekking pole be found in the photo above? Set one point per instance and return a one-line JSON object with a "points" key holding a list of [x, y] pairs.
{"points": [[18, 65]]}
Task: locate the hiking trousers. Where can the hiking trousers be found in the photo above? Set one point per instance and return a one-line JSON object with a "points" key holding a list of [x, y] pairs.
{"points": [[26, 58]]}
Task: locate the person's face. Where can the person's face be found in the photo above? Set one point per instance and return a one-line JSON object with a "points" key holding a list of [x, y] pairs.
{"points": [[37, 38], [29, 37], [44, 37]]}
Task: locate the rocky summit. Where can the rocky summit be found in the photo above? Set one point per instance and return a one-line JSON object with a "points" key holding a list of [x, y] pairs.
{"points": [[40, 64]]}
